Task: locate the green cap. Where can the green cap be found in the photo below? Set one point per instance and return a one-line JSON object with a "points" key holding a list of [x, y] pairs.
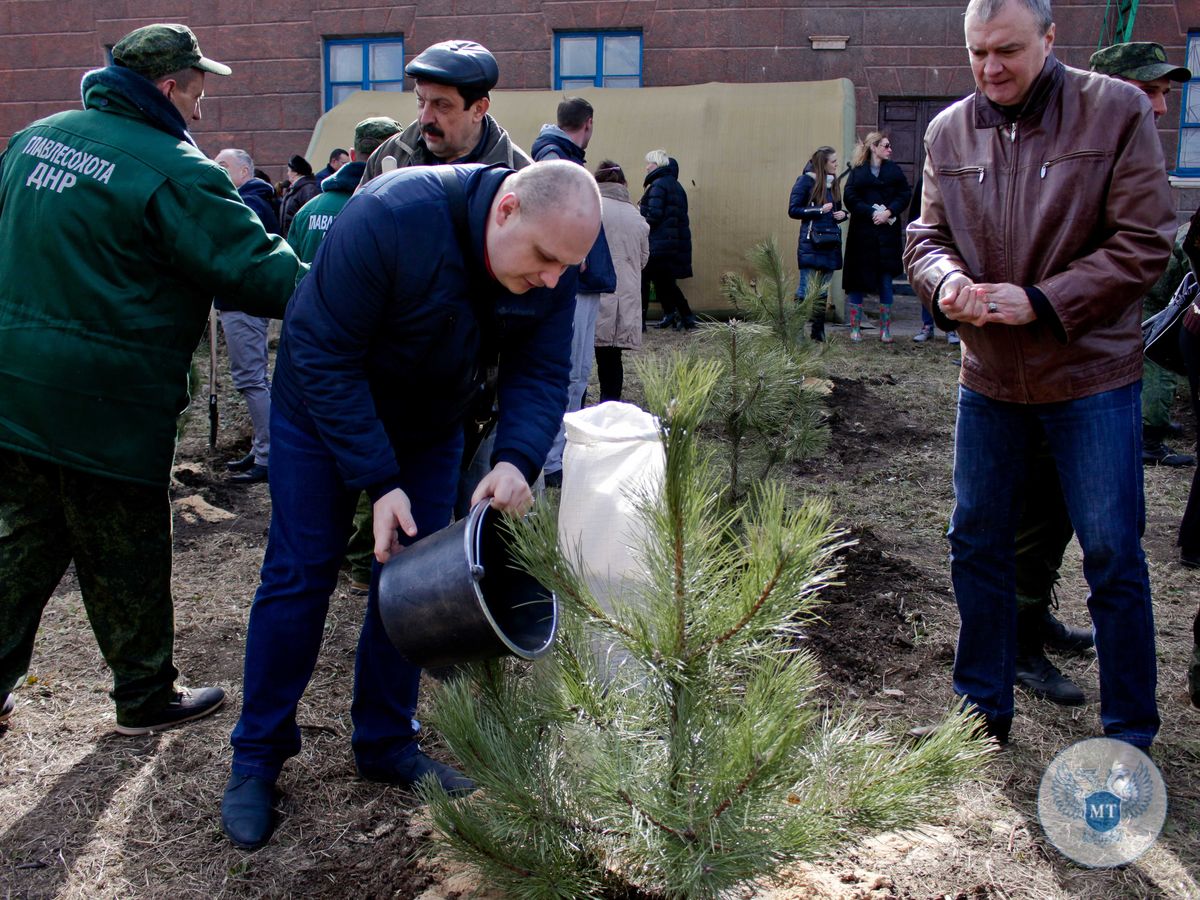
{"points": [[1139, 60], [157, 50], [374, 131]]}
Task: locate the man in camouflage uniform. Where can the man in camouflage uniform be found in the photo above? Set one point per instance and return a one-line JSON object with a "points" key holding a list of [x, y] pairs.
{"points": [[96, 341], [1045, 528]]}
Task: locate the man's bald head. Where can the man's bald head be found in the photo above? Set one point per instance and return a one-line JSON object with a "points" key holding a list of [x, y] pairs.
{"points": [[543, 219]]}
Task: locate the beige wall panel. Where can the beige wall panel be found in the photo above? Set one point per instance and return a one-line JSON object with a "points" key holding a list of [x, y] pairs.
{"points": [[740, 148]]}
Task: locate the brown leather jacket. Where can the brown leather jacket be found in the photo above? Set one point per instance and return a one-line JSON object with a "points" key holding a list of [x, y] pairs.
{"points": [[1070, 199]]}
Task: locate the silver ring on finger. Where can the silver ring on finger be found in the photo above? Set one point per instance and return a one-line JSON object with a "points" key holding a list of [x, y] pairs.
{"points": [[992, 307]]}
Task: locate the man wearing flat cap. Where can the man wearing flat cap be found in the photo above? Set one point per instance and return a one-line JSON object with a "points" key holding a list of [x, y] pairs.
{"points": [[453, 79], [96, 341]]}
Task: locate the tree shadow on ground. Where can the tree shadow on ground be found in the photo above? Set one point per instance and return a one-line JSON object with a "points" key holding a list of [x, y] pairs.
{"points": [[39, 850]]}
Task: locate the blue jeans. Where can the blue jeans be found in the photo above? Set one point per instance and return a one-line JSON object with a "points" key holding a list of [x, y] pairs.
{"points": [[1096, 443], [583, 351], [311, 517], [855, 298], [826, 275]]}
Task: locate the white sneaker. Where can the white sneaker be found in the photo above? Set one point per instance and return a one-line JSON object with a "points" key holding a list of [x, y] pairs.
{"points": [[925, 334], [952, 337]]}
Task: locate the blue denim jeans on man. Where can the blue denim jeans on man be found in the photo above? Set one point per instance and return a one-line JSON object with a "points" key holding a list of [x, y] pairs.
{"points": [[1096, 443], [311, 517]]}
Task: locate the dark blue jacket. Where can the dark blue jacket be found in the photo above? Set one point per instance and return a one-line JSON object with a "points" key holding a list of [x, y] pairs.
{"points": [[599, 275], [257, 195], [381, 343], [664, 205], [815, 223]]}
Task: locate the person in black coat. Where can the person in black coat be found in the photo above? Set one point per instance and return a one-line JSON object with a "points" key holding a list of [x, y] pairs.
{"points": [[877, 194], [664, 205], [818, 206], [302, 188]]}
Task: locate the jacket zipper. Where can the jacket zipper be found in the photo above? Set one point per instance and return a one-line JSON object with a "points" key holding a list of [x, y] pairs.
{"points": [[1014, 335], [1078, 154]]}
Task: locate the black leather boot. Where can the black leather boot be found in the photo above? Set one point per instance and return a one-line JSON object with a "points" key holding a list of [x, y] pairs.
{"points": [[1035, 673], [1063, 637], [818, 325]]}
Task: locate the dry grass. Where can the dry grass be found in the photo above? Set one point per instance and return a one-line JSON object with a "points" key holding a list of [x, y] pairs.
{"points": [[87, 814]]}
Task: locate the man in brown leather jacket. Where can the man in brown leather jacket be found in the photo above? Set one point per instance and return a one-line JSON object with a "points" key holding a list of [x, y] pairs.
{"points": [[1046, 217]]}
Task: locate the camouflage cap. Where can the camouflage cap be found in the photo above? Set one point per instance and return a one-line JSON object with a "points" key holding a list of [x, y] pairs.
{"points": [[1139, 60], [157, 50], [378, 128]]}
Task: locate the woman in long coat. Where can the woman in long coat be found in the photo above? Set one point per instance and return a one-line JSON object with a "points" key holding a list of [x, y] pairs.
{"points": [[876, 196], [619, 322], [664, 205], [817, 202]]}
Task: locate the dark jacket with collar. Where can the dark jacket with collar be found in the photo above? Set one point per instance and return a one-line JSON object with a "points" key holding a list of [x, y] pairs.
{"points": [[494, 147], [874, 251], [814, 223], [664, 205], [381, 343], [1066, 197], [599, 275], [121, 232], [316, 217], [298, 193]]}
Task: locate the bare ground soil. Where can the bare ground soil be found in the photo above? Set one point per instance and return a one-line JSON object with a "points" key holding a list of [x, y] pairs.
{"points": [[85, 813]]}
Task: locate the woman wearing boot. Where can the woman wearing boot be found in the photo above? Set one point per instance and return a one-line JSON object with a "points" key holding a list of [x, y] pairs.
{"points": [[817, 202], [876, 196]]}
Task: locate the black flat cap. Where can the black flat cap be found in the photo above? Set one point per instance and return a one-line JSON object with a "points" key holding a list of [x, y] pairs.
{"points": [[456, 63]]}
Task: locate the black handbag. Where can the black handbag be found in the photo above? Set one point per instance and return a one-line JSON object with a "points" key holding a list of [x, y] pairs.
{"points": [[1160, 332], [824, 240]]}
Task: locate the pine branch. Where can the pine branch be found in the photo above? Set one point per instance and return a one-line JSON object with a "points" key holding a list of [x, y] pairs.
{"points": [[748, 616]]}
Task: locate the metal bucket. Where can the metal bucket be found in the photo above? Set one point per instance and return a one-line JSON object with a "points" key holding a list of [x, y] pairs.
{"points": [[455, 597]]}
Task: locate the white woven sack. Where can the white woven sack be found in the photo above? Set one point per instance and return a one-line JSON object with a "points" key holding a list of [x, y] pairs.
{"points": [[613, 456]]}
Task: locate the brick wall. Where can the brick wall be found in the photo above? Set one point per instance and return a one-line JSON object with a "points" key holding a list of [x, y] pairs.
{"points": [[897, 49]]}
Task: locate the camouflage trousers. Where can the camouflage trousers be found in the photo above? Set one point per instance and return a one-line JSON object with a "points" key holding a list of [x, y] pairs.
{"points": [[119, 536]]}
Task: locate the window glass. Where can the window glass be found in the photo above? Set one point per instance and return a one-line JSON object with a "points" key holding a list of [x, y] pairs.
{"points": [[345, 62], [387, 62], [577, 56], [622, 55], [1189, 148]]}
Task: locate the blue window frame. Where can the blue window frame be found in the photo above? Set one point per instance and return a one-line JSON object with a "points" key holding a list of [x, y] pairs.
{"points": [[584, 59], [362, 64], [1188, 160]]}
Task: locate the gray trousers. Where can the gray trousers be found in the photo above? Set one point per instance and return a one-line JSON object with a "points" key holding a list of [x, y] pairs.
{"points": [[583, 351], [246, 338]]}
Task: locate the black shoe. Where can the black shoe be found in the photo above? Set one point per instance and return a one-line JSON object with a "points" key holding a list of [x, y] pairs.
{"points": [[552, 479], [188, 704], [1065, 638], [818, 333], [252, 475], [248, 815], [666, 321], [688, 323], [6, 709], [241, 465], [996, 730], [1040, 677], [1159, 454], [1189, 560], [411, 769]]}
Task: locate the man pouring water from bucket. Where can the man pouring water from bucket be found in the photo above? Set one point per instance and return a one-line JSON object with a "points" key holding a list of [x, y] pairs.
{"points": [[423, 271]]}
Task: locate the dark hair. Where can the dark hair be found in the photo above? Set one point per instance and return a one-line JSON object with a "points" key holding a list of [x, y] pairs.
{"points": [[472, 94], [259, 173], [819, 160], [338, 152], [299, 165], [573, 113], [608, 172]]}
